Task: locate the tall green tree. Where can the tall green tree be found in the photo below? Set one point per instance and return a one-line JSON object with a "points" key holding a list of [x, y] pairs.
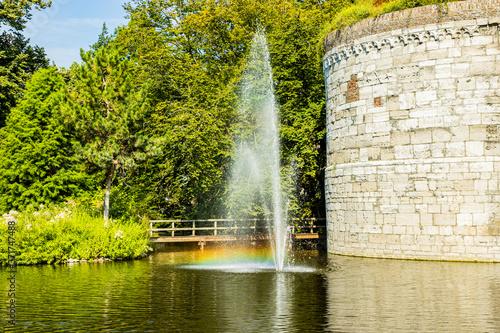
{"points": [[18, 61], [109, 112], [37, 163]]}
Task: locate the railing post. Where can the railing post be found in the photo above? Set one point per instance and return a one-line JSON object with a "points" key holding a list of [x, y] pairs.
{"points": [[194, 226], [215, 228], [150, 229], [173, 226]]}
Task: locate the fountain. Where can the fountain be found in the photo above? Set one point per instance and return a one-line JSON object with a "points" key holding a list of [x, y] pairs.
{"points": [[255, 185], [256, 181]]}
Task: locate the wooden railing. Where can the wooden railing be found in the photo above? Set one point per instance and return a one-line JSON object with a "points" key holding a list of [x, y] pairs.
{"points": [[219, 227]]}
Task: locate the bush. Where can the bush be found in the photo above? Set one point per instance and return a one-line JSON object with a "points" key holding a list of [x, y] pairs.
{"points": [[55, 234]]}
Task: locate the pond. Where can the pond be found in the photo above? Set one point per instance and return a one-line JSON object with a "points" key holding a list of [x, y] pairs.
{"points": [[187, 291]]}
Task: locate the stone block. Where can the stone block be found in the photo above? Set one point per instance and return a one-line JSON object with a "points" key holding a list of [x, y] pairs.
{"points": [[421, 136], [466, 83], [455, 149], [422, 151], [464, 185], [460, 70], [474, 51], [403, 152], [430, 230], [424, 97], [446, 230], [481, 167], [492, 148], [437, 149], [393, 103], [398, 114], [445, 219], [407, 101], [407, 219], [480, 219], [471, 207], [443, 71], [441, 135], [482, 68], [473, 148]]}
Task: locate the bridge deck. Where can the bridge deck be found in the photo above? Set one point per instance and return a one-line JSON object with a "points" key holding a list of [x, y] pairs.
{"points": [[226, 238], [177, 231]]}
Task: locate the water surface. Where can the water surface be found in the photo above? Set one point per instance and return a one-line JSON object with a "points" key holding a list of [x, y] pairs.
{"points": [[188, 291]]}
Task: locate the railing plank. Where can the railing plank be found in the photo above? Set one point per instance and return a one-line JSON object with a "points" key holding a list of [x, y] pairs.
{"points": [[181, 226]]}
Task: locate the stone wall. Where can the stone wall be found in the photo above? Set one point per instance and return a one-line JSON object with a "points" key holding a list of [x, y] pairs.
{"points": [[413, 121]]}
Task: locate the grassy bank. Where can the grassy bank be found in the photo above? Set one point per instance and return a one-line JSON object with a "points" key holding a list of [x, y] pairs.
{"points": [[56, 234]]}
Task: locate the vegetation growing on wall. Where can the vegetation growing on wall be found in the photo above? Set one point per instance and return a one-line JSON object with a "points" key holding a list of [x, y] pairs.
{"points": [[362, 9]]}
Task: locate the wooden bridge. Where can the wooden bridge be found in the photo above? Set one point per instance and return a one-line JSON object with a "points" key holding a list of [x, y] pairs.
{"points": [[217, 230]]}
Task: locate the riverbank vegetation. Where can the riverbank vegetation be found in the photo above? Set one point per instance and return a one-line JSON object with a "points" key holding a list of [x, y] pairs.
{"points": [[60, 233], [147, 122]]}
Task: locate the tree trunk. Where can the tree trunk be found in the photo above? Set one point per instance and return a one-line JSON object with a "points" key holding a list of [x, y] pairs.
{"points": [[109, 179]]}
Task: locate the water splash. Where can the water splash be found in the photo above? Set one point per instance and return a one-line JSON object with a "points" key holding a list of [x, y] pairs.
{"points": [[256, 183]]}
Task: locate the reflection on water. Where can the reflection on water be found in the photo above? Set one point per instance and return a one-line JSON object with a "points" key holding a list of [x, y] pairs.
{"points": [[372, 295], [168, 292]]}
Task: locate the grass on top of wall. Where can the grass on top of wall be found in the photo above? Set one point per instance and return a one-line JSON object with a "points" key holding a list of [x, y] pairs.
{"points": [[55, 234], [363, 9]]}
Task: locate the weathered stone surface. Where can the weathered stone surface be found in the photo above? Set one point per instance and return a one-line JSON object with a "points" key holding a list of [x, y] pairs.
{"points": [[413, 118]]}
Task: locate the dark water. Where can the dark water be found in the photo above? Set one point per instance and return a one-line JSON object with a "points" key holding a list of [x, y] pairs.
{"points": [[165, 293]]}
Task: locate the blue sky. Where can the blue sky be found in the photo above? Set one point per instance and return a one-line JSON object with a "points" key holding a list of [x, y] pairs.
{"points": [[70, 25]]}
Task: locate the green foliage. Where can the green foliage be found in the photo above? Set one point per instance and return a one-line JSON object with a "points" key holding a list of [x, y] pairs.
{"points": [[15, 13], [103, 40], [18, 61], [194, 52], [37, 164], [108, 112], [156, 104], [55, 234]]}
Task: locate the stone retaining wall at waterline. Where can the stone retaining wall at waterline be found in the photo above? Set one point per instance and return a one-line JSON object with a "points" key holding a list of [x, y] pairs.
{"points": [[413, 134]]}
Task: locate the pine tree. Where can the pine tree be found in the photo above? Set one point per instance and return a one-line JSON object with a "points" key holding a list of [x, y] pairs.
{"points": [[37, 164], [18, 61], [108, 111]]}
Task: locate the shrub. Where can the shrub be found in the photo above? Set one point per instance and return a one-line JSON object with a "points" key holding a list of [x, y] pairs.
{"points": [[57, 233]]}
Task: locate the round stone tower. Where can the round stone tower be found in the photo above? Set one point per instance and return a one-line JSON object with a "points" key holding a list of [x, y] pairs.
{"points": [[413, 134]]}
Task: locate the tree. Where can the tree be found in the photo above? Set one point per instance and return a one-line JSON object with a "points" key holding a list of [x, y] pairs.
{"points": [[18, 61], [195, 52], [37, 163], [108, 111], [103, 40], [15, 13]]}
